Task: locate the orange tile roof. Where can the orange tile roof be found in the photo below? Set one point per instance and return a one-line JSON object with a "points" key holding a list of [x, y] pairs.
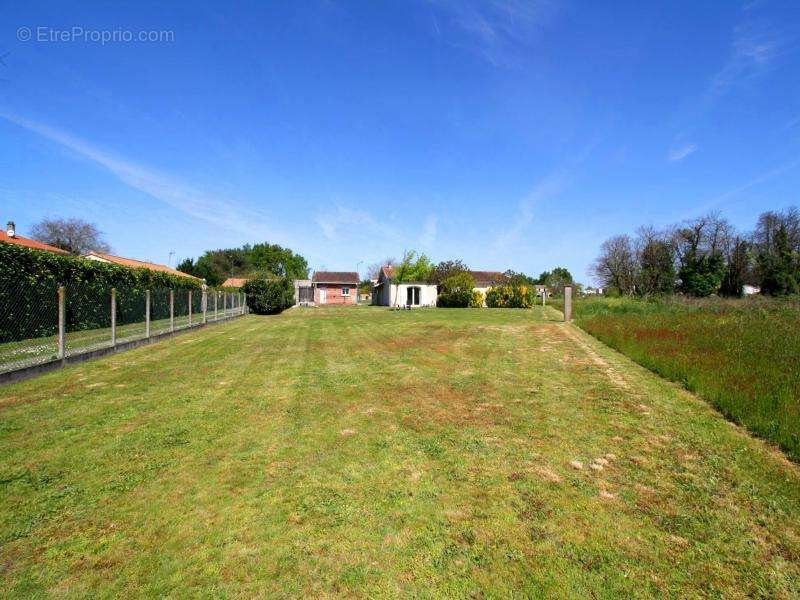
{"points": [[236, 282], [138, 264], [21, 241]]}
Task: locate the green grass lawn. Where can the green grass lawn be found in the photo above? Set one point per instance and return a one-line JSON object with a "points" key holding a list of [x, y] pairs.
{"points": [[365, 452], [24, 353], [741, 355]]}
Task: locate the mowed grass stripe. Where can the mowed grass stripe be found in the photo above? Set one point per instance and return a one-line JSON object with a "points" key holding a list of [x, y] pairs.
{"points": [[359, 451]]}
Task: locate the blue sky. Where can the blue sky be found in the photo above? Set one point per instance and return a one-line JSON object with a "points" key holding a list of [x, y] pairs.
{"points": [[509, 134]]}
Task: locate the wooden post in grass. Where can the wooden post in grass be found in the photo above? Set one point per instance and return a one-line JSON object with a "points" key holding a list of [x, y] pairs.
{"points": [[568, 303], [147, 313], [113, 316], [62, 317], [172, 310], [190, 308]]}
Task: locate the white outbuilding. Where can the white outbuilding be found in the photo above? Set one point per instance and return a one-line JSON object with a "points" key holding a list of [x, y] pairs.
{"points": [[407, 294]]}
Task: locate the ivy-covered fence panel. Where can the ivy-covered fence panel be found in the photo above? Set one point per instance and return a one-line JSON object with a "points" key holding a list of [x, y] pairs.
{"points": [[29, 282]]}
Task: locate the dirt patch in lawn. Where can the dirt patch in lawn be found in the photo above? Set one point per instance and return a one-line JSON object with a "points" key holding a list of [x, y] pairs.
{"points": [[424, 338], [430, 405]]}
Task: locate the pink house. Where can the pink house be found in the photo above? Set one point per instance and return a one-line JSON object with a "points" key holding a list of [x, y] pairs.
{"points": [[335, 287]]}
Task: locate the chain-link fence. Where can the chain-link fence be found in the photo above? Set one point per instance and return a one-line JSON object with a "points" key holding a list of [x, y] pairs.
{"points": [[28, 323], [40, 322]]}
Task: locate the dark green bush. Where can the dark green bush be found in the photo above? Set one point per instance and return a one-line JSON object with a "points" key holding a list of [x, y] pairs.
{"points": [[29, 281], [269, 296], [456, 291]]}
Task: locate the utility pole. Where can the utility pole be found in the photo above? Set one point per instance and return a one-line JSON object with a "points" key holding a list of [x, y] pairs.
{"points": [[358, 284]]}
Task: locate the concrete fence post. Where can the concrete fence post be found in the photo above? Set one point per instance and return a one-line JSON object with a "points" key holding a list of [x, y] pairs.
{"points": [[190, 308], [62, 318], [544, 297], [204, 304], [568, 303], [172, 310], [113, 316], [224, 304], [216, 299], [147, 313]]}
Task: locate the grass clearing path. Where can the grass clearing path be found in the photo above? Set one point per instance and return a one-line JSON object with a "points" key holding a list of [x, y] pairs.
{"points": [[360, 451]]}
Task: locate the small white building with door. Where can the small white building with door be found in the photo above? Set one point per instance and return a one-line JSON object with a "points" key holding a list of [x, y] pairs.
{"points": [[408, 293]]}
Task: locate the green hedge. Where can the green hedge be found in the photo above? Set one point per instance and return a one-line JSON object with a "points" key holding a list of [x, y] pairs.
{"points": [[29, 281]]}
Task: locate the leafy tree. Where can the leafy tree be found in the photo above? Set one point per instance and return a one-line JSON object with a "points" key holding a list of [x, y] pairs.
{"points": [[779, 270], [272, 259], [267, 297], [700, 243], [515, 278], [413, 268], [702, 275], [447, 268], [187, 266], [456, 291], [656, 268], [737, 271], [557, 279], [73, 235], [259, 261]]}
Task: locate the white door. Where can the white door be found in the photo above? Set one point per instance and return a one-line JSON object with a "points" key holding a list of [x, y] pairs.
{"points": [[323, 295]]}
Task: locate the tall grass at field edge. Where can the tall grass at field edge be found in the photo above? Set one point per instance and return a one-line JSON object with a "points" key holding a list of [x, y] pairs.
{"points": [[743, 356]]}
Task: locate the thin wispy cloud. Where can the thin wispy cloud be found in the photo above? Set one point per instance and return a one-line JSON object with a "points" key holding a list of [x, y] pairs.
{"points": [[169, 190], [545, 190], [346, 227], [428, 236], [756, 45], [495, 30], [720, 200], [344, 223], [681, 151]]}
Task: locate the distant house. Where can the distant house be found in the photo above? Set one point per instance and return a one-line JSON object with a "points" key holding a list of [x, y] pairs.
{"points": [[409, 293], [749, 290], [484, 280], [335, 287], [234, 282], [134, 264], [542, 290], [592, 291], [9, 236]]}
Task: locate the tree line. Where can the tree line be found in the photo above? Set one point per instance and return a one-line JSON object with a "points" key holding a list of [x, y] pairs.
{"points": [[705, 256], [418, 267], [257, 261]]}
